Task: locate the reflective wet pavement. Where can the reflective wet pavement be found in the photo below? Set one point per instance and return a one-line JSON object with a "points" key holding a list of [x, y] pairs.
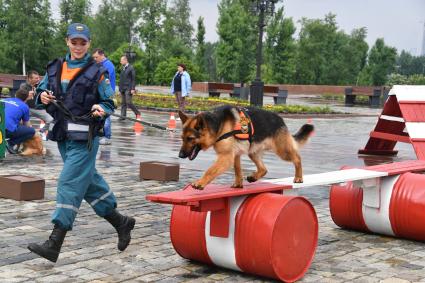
{"points": [[89, 253]]}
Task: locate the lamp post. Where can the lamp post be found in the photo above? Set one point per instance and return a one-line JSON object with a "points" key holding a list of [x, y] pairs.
{"points": [[263, 8], [129, 53]]}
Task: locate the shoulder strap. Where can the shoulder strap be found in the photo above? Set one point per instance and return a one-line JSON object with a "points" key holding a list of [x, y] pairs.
{"points": [[57, 64], [228, 135], [235, 132]]}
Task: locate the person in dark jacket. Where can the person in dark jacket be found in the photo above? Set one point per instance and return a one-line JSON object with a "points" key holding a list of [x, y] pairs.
{"points": [[33, 79], [127, 87], [76, 91]]}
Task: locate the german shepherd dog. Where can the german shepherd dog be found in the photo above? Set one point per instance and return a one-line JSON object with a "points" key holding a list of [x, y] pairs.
{"points": [[269, 133]]}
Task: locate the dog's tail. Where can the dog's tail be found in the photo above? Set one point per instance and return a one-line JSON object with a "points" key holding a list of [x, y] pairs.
{"points": [[301, 137]]}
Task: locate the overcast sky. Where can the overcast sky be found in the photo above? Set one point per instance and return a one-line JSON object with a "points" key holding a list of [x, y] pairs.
{"points": [[399, 22]]}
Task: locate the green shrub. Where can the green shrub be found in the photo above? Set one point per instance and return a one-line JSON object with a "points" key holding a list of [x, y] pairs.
{"points": [[166, 70], [5, 91], [205, 103], [397, 79]]}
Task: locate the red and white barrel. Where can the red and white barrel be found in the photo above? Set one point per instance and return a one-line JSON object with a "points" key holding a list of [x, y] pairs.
{"points": [[271, 235], [395, 207]]}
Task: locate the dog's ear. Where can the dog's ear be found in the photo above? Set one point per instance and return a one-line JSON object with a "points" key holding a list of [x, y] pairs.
{"points": [[183, 117], [200, 122]]}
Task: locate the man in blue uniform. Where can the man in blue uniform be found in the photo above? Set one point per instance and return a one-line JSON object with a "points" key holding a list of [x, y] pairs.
{"points": [[17, 116], [100, 57], [77, 93]]}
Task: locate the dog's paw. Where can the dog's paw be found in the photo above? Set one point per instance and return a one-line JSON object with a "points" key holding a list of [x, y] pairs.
{"points": [[251, 179], [298, 179], [237, 186], [197, 186]]}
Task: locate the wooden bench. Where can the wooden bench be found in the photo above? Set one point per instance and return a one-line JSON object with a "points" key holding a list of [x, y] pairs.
{"points": [[12, 82], [374, 95], [235, 90], [215, 89], [279, 95]]}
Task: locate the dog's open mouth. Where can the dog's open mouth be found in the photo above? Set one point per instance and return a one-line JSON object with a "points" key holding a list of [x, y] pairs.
{"points": [[194, 152]]}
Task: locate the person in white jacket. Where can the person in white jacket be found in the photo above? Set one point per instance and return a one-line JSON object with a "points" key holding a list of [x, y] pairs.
{"points": [[181, 86]]}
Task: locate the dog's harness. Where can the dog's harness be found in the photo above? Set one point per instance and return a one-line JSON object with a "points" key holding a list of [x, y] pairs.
{"points": [[243, 130]]}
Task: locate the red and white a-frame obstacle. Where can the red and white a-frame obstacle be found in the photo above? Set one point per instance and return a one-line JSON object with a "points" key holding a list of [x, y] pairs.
{"points": [[402, 120], [261, 230]]}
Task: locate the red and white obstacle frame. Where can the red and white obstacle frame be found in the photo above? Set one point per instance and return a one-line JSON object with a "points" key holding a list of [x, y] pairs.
{"points": [[261, 230]]}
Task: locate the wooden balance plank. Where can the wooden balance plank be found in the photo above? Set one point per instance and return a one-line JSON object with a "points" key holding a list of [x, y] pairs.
{"points": [[399, 167], [213, 196], [191, 197], [342, 176], [328, 178]]}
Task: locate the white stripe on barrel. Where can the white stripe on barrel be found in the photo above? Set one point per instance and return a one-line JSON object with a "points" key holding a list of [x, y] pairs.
{"points": [[376, 206], [222, 250]]}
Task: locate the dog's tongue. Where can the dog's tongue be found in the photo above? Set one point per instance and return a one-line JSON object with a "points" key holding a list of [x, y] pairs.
{"points": [[193, 154]]}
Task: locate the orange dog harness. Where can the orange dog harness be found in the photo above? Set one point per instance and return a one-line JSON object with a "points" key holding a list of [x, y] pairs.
{"points": [[243, 130]]}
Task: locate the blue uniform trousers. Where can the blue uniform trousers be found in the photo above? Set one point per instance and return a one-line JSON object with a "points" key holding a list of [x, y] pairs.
{"points": [[107, 128], [79, 180]]}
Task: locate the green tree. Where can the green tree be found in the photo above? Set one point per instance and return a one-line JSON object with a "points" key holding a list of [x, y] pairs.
{"points": [[356, 55], [315, 48], [71, 11], [26, 34], [7, 64], [150, 34], [279, 51], [327, 55], [74, 11], [407, 64], [177, 31], [127, 17], [381, 62], [166, 70], [211, 61], [200, 58], [180, 13], [235, 49], [104, 24], [137, 65]]}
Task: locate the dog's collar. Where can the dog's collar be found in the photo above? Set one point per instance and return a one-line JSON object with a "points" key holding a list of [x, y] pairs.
{"points": [[243, 130]]}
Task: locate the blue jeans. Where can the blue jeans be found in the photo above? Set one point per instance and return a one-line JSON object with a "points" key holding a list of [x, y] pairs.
{"points": [[107, 128], [21, 134]]}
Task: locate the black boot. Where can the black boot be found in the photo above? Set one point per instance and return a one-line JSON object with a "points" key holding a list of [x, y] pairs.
{"points": [[51, 248], [123, 225]]}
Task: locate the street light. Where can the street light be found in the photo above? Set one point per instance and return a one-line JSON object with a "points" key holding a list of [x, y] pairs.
{"points": [[129, 53], [263, 8]]}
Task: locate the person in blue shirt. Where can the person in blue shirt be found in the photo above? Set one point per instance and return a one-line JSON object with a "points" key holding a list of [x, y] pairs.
{"points": [[181, 85], [100, 57], [76, 92], [17, 116]]}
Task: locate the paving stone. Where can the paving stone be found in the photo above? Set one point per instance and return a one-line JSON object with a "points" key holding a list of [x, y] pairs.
{"points": [[90, 254], [394, 280]]}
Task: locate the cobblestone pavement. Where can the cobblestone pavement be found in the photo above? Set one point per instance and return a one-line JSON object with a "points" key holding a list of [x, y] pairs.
{"points": [[89, 253]]}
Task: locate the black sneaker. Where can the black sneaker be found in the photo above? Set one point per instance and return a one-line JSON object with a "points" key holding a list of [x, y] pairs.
{"points": [[12, 149]]}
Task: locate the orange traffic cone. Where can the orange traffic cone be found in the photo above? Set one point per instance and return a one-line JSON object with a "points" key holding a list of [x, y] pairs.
{"points": [[138, 127], [172, 122]]}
